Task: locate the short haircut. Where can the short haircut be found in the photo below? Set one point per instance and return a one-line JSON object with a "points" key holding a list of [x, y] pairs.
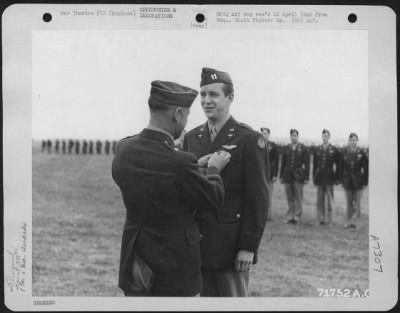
{"points": [[227, 89], [160, 107]]}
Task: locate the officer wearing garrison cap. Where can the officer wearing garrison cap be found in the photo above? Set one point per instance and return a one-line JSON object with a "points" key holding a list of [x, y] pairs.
{"points": [[354, 177], [161, 188], [273, 159], [295, 172], [232, 234], [325, 175]]}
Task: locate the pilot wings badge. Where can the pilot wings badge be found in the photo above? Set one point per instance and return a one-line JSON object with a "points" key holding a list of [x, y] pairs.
{"points": [[229, 147]]}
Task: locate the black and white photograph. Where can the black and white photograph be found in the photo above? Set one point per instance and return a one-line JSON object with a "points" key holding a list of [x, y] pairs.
{"points": [[192, 162]]}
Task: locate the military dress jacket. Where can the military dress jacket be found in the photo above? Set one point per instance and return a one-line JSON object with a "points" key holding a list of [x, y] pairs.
{"points": [[162, 187], [326, 165], [354, 169], [295, 165], [239, 224], [273, 157]]}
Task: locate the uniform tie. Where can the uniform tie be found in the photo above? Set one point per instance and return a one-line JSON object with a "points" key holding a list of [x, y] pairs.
{"points": [[213, 133]]}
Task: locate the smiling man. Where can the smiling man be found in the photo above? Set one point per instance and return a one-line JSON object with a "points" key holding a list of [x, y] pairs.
{"points": [[232, 235]]}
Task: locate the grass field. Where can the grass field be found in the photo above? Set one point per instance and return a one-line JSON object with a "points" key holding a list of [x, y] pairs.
{"points": [[78, 217]]}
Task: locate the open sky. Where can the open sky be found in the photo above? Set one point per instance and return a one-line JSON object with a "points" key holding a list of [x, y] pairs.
{"points": [[95, 84]]}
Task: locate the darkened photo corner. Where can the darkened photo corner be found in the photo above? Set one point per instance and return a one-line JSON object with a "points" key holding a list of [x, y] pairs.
{"points": [[226, 165]]}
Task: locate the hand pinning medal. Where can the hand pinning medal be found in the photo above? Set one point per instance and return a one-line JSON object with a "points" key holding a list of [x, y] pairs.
{"points": [[261, 142]]}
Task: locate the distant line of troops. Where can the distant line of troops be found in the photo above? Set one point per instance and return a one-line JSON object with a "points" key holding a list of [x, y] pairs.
{"points": [[331, 166], [71, 146]]}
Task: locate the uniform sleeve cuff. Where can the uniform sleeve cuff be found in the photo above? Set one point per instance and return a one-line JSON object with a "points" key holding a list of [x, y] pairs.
{"points": [[248, 242], [212, 170]]}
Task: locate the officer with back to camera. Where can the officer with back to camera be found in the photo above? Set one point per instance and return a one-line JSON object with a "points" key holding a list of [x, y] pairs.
{"points": [[161, 188]]}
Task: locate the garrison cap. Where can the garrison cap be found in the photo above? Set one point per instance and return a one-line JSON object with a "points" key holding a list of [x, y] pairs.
{"points": [[170, 93], [352, 135], [265, 128], [325, 131], [294, 131], [211, 76]]}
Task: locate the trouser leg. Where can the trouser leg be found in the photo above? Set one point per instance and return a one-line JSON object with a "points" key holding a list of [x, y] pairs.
{"points": [[209, 283], [349, 205], [225, 283], [329, 205], [290, 199], [232, 283], [298, 200], [271, 190], [320, 204], [357, 206]]}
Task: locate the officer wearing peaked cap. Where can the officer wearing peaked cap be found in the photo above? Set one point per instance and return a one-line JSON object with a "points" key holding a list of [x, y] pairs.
{"points": [[325, 174], [354, 177], [161, 188], [295, 172], [231, 236]]}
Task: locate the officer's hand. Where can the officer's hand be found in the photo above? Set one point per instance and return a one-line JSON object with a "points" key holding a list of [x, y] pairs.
{"points": [[273, 179], [305, 182], [243, 260], [219, 160], [204, 160]]}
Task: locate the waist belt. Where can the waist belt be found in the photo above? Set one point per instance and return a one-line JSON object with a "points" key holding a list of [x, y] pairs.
{"points": [[165, 222]]}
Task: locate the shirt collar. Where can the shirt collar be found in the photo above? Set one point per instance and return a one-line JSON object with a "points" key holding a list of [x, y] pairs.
{"points": [[160, 130], [218, 126]]}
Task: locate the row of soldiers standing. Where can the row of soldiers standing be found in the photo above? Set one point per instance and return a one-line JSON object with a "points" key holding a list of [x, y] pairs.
{"points": [[71, 146], [331, 166]]}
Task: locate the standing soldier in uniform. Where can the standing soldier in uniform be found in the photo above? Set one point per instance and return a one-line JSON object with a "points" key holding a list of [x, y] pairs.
{"points": [[63, 146], [273, 157], [84, 146], [98, 146], [114, 144], [70, 145], [354, 177], [295, 173], [49, 143], [325, 175], [77, 146], [90, 147], [107, 147], [57, 146], [231, 236], [44, 144], [161, 188]]}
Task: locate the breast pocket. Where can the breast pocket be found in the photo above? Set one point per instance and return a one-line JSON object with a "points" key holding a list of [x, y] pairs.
{"points": [[232, 173]]}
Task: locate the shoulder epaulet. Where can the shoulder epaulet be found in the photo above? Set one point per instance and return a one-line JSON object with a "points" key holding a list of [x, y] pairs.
{"points": [[246, 126], [133, 136], [196, 129]]}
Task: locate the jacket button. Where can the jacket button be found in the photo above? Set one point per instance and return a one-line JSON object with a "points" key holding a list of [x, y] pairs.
{"points": [[238, 215], [201, 236]]}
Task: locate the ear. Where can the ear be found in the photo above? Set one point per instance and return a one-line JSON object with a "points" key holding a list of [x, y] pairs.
{"points": [[177, 113], [231, 96]]}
